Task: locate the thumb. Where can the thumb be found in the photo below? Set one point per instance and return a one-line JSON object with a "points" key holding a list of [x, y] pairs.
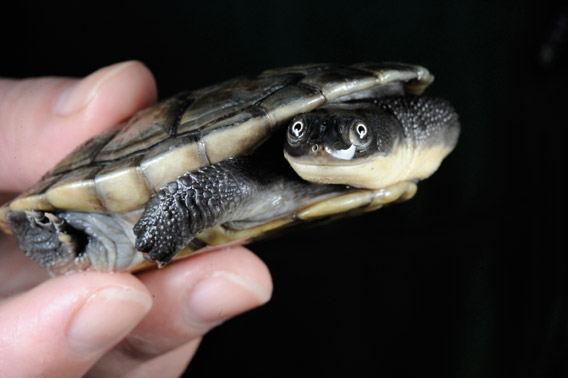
{"points": [[62, 327], [44, 119]]}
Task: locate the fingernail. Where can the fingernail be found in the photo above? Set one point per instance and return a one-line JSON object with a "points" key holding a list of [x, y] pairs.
{"points": [[80, 94], [106, 318], [222, 296]]}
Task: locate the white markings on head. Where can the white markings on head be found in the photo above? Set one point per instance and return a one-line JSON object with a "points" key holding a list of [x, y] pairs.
{"points": [[347, 154]]}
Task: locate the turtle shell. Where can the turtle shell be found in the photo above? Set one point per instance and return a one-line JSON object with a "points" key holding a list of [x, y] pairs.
{"points": [[119, 170]]}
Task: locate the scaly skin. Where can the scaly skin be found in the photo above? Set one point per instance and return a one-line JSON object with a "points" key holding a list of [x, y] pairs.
{"points": [[192, 203], [235, 190]]}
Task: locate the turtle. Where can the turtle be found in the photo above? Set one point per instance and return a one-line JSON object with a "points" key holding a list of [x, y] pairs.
{"points": [[206, 167]]}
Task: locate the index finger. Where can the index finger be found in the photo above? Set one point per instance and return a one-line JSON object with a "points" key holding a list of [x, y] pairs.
{"points": [[44, 119]]}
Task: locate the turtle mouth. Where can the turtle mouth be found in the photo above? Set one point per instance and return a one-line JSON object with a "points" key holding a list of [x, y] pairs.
{"points": [[330, 170], [352, 174], [328, 157], [373, 172]]}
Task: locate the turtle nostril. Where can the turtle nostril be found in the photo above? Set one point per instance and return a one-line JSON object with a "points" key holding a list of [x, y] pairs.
{"points": [[318, 149]]}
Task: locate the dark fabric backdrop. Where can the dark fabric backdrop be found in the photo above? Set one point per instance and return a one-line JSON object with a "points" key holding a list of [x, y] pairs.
{"points": [[468, 279]]}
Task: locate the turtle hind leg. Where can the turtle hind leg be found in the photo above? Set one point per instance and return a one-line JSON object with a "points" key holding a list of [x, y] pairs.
{"points": [[47, 239]]}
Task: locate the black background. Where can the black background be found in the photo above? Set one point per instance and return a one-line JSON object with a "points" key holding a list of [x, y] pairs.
{"points": [[468, 279]]}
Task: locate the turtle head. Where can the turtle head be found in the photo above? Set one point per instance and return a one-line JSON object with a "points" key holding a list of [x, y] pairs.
{"points": [[373, 143], [338, 137], [341, 134]]}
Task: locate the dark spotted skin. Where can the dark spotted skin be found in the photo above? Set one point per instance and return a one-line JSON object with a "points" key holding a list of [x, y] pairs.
{"points": [[429, 120], [191, 204], [240, 191], [39, 235]]}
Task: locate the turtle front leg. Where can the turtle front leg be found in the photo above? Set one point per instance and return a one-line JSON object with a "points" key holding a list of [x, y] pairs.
{"points": [[193, 203]]}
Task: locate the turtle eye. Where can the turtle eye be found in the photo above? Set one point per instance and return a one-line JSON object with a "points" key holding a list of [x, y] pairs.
{"points": [[361, 130], [297, 128], [359, 134]]}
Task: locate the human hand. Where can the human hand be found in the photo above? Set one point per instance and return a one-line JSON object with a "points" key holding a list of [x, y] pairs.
{"points": [[102, 324]]}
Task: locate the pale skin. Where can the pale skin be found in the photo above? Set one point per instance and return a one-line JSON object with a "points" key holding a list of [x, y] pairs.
{"points": [[102, 324]]}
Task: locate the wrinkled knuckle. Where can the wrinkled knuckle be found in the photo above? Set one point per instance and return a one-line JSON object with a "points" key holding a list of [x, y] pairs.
{"points": [[139, 349]]}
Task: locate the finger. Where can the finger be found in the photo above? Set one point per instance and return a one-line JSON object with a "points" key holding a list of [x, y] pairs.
{"points": [[62, 327], [191, 297], [170, 364], [42, 120], [18, 272]]}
